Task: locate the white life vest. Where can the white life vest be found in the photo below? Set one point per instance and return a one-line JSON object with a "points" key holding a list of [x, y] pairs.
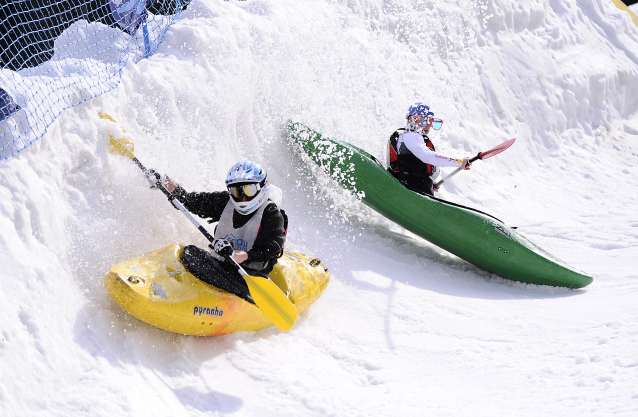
{"points": [[244, 237]]}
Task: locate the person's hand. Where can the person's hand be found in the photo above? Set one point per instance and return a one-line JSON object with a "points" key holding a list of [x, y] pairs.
{"points": [[240, 256], [436, 189], [153, 177], [223, 247], [466, 163]]}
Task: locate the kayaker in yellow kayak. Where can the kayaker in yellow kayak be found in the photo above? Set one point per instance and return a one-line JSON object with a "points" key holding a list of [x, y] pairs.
{"points": [[412, 158], [251, 228]]}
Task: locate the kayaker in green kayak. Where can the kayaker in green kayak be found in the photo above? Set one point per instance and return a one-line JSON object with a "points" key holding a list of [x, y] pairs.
{"points": [[412, 158]]}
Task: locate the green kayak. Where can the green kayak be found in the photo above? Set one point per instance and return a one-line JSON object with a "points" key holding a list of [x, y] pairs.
{"points": [[469, 234]]}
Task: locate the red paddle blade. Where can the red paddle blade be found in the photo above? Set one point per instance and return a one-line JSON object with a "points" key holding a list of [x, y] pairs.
{"points": [[497, 149]]}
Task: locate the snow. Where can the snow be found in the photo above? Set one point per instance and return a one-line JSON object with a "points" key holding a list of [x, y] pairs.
{"points": [[404, 328]]}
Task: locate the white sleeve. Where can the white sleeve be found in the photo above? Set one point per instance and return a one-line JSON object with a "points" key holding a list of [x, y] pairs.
{"points": [[415, 144]]}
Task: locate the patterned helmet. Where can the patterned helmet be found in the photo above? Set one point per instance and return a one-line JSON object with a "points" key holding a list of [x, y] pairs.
{"points": [[419, 109], [247, 185], [419, 116]]}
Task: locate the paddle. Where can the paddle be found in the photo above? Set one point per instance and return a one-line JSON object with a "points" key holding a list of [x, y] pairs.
{"points": [[266, 294], [481, 155]]}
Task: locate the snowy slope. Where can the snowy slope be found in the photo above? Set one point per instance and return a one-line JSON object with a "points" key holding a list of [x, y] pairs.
{"points": [[404, 329]]}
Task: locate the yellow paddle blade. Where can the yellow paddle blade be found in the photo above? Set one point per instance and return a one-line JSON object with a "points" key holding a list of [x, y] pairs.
{"points": [[106, 116], [119, 143], [122, 146], [274, 303]]}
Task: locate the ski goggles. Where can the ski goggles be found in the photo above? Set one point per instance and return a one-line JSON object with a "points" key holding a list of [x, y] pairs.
{"points": [[426, 121], [244, 190]]}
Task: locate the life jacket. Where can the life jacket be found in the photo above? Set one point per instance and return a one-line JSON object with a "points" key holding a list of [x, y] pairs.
{"points": [[401, 161], [244, 237]]}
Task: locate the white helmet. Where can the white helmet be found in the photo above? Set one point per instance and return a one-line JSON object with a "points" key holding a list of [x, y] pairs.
{"points": [[247, 185]]}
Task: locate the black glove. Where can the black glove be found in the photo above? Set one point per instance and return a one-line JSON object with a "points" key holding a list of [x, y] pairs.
{"points": [[153, 177], [222, 247]]}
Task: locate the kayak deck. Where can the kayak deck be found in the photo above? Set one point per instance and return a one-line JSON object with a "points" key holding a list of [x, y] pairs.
{"points": [[157, 289]]}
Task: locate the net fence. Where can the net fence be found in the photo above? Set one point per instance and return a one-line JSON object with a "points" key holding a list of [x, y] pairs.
{"points": [[56, 54]]}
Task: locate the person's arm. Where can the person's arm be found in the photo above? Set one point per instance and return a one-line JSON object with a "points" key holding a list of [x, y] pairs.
{"points": [[414, 142], [205, 205]]}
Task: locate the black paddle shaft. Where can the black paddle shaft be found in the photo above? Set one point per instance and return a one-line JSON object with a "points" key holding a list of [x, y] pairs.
{"points": [[478, 156], [174, 201], [456, 171], [494, 151]]}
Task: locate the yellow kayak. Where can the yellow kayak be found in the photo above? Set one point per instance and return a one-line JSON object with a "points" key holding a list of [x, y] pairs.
{"points": [[157, 289]]}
